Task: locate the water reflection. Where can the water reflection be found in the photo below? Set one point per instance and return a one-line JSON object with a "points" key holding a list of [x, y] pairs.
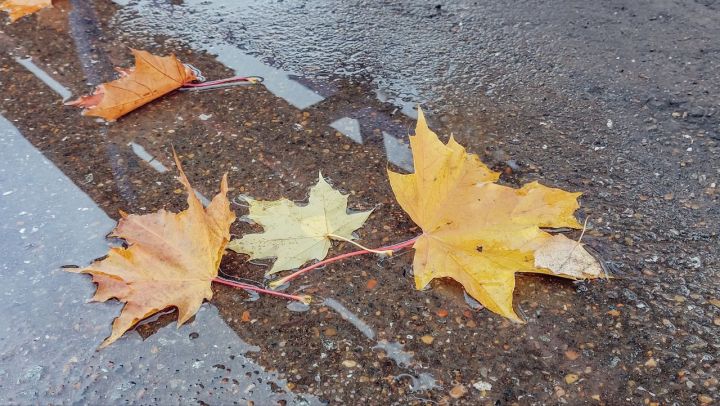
{"points": [[48, 334], [142, 153], [349, 127], [47, 79], [398, 152], [394, 350]]}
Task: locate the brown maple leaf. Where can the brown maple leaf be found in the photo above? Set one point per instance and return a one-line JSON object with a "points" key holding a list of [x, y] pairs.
{"points": [[20, 8], [152, 77], [171, 260]]}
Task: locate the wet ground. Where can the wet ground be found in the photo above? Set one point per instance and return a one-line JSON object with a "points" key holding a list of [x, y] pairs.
{"points": [[614, 99]]}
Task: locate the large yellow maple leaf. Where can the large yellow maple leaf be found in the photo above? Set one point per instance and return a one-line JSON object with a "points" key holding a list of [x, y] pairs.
{"points": [[296, 234], [171, 260], [152, 77], [20, 8], [481, 233]]}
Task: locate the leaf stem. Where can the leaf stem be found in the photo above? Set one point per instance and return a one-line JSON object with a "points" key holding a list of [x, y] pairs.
{"points": [[305, 298], [341, 238], [234, 79], [309, 268]]}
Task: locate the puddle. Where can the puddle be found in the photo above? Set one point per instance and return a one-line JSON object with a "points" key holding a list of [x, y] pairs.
{"points": [[270, 29], [249, 133], [186, 22], [50, 332]]}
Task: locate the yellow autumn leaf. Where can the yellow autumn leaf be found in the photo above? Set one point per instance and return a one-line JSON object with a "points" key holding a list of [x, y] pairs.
{"points": [[296, 234], [171, 260], [480, 233], [20, 8]]}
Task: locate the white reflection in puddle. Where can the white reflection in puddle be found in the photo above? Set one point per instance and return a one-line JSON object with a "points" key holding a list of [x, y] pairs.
{"points": [[275, 80], [351, 317], [145, 156], [394, 350], [398, 153], [47, 79], [349, 127]]}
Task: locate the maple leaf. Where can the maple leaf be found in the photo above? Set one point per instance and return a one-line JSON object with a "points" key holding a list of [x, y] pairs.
{"points": [[297, 234], [481, 233], [20, 8], [152, 77], [170, 261]]}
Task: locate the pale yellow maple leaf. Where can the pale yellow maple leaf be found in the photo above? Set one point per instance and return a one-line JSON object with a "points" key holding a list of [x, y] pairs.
{"points": [[296, 234], [481, 233], [171, 260]]}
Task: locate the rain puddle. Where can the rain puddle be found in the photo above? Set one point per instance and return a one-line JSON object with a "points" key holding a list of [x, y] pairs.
{"points": [[194, 23], [235, 30], [50, 333], [180, 22]]}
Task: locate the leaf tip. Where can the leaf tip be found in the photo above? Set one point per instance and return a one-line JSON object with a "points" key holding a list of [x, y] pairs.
{"points": [[224, 184]]}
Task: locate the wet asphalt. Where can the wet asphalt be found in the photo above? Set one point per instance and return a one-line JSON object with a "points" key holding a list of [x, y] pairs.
{"points": [[617, 99]]}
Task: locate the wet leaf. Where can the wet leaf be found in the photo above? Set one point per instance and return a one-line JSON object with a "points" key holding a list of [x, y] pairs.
{"points": [[20, 8], [296, 234], [481, 233], [152, 77], [170, 262]]}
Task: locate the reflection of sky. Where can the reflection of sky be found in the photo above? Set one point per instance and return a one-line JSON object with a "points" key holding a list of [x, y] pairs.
{"points": [[312, 39], [349, 127], [49, 334], [193, 22]]}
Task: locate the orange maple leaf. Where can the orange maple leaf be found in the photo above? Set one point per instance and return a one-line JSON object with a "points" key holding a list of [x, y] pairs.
{"points": [[153, 76], [20, 8], [171, 260]]}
